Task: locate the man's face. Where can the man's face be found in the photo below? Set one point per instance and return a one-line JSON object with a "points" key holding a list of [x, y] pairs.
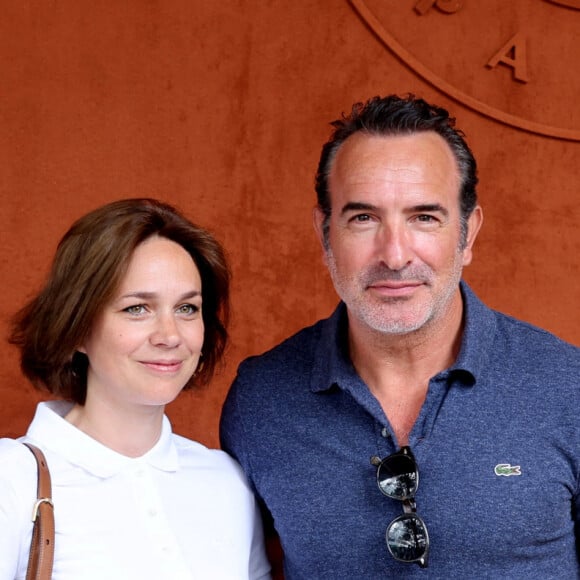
{"points": [[395, 251]]}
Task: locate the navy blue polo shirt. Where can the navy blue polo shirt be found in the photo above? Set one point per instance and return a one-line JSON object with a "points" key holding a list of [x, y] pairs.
{"points": [[497, 443]]}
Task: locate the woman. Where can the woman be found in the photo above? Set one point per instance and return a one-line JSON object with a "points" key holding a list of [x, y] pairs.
{"points": [[133, 312]]}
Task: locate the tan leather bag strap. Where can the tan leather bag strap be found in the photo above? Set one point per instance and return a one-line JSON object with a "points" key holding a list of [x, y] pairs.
{"points": [[42, 545]]}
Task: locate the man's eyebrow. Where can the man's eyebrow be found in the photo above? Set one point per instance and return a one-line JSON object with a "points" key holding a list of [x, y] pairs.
{"points": [[424, 207], [430, 208], [357, 206]]}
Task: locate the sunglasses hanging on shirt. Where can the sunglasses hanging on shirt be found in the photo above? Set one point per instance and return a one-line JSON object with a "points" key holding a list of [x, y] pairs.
{"points": [[398, 478]]}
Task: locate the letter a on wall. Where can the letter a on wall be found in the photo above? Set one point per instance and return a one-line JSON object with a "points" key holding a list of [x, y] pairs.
{"points": [[513, 54]]}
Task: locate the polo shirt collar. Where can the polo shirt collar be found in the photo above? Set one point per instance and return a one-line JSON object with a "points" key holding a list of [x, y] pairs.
{"points": [[478, 334], [333, 367], [53, 432]]}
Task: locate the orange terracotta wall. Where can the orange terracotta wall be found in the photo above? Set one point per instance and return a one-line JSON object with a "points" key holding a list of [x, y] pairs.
{"points": [[221, 107]]}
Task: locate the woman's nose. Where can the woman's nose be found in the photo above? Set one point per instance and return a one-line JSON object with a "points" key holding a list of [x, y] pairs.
{"points": [[166, 332]]}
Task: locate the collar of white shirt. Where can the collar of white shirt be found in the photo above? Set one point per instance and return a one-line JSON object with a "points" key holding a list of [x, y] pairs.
{"points": [[52, 432]]}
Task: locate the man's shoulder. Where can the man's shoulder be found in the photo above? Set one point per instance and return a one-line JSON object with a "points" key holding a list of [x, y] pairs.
{"points": [[509, 338], [533, 340], [530, 355], [293, 353]]}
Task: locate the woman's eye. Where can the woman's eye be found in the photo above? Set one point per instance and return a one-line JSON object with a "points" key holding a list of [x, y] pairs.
{"points": [[188, 309], [135, 309]]}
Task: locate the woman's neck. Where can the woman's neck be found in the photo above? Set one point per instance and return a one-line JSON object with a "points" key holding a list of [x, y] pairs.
{"points": [[131, 432]]}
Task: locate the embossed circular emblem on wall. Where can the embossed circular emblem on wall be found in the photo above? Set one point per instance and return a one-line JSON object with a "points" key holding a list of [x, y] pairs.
{"points": [[516, 62]]}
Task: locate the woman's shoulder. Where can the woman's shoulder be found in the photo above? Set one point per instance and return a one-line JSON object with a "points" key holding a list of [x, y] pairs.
{"points": [[18, 476], [14, 451], [18, 467]]}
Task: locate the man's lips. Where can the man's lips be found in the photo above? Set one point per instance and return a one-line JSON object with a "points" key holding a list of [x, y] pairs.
{"points": [[395, 287], [396, 284]]}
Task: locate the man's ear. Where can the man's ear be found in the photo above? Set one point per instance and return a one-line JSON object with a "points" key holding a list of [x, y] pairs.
{"points": [[318, 218], [473, 226]]}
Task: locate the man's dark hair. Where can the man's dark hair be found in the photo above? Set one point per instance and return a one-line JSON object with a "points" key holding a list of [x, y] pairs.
{"points": [[394, 115]]}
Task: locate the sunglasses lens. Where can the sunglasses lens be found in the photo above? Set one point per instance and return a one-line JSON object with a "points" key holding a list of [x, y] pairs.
{"points": [[407, 538], [397, 477]]}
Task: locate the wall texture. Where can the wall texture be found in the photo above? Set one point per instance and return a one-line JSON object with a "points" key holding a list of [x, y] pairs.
{"points": [[221, 107]]}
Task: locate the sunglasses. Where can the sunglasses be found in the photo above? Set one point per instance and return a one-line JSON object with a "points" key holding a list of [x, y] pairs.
{"points": [[398, 478]]}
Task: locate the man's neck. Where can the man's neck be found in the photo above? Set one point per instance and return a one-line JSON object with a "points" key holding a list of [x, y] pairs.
{"points": [[397, 367]]}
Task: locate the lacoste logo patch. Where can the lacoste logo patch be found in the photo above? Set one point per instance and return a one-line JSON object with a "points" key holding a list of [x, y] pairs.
{"points": [[507, 469]]}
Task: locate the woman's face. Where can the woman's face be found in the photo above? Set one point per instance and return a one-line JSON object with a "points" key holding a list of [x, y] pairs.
{"points": [[146, 343]]}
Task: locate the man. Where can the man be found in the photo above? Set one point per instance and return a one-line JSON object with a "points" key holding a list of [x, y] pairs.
{"points": [[415, 433]]}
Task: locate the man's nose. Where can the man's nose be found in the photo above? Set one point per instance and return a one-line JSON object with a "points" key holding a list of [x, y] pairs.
{"points": [[393, 246]]}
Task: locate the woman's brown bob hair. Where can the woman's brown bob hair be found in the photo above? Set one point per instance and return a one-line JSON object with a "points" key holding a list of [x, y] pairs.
{"points": [[88, 267]]}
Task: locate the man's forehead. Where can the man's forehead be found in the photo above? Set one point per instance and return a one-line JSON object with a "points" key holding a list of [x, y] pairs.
{"points": [[410, 164]]}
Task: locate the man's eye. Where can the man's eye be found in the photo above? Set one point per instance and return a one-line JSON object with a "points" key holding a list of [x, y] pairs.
{"points": [[361, 217], [426, 218]]}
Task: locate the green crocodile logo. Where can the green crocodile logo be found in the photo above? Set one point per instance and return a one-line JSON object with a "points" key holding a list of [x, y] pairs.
{"points": [[507, 469]]}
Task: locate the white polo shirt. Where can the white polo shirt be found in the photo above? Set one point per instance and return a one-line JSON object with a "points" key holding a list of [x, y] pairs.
{"points": [[179, 512]]}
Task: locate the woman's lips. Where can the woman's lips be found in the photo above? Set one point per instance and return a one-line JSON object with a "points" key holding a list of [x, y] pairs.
{"points": [[163, 366]]}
